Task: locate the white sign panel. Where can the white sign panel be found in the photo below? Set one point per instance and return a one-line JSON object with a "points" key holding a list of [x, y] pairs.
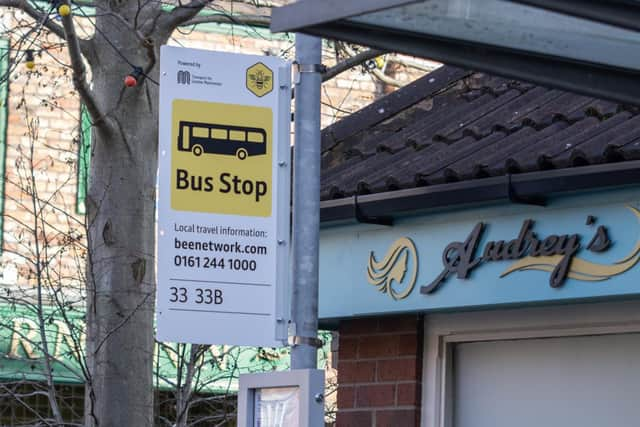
{"points": [[224, 194]]}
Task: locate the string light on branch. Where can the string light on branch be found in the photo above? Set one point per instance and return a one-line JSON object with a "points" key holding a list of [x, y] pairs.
{"points": [[62, 6], [29, 61], [64, 9], [132, 78], [372, 64]]}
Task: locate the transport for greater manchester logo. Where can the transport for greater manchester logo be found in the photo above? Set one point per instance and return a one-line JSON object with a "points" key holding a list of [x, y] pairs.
{"points": [[259, 79], [221, 158]]}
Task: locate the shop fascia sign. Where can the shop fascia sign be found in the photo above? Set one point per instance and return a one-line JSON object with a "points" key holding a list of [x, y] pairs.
{"points": [[557, 254]]}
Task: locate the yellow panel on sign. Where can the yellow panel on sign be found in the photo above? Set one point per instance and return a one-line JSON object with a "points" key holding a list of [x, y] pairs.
{"points": [[221, 158]]}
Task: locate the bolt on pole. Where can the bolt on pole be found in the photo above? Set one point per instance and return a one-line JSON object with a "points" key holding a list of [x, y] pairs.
{"points": [[306, 202]]}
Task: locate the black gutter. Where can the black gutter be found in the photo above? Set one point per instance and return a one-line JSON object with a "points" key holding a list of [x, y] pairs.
{"points": [[532, 185]]}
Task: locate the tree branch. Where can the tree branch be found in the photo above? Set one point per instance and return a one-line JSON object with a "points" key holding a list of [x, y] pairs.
{"points": [[35, 14], [224, 18], [75, 46], [80, 73], [376, 72], [427, 66], [181, 14], [386, 79], [351, 62]]}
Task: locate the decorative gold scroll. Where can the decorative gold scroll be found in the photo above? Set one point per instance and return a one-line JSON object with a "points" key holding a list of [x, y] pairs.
{"points": [[581, 269], [393, 268]]}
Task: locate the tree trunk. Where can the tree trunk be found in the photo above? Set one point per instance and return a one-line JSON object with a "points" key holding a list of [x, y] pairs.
{"points": [[121, 218]]}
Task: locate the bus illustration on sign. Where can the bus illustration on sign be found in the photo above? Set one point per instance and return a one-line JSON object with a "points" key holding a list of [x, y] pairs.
{"points": [[239, 141]]}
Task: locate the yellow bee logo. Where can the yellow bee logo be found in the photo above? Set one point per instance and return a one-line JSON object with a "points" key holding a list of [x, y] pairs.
{"points": [[259, 79]]}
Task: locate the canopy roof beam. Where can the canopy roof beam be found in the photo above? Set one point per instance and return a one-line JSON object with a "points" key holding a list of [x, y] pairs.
{"points": [[599, 81], [619, 13], [584, 46]]}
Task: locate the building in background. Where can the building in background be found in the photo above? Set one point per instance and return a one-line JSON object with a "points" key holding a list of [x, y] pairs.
{"points": [[479, 256], [45, 149]]}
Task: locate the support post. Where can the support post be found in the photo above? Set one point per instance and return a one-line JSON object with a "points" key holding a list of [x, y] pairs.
{"points": [[306, 202]]}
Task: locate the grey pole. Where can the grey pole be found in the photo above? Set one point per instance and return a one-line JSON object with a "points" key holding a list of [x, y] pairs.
{"points": [[306, 202]]}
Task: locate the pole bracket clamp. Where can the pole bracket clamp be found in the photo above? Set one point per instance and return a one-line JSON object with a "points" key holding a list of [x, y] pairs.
{"points": [[306, 68], [295, 340], [309, 68], [312, 68]]}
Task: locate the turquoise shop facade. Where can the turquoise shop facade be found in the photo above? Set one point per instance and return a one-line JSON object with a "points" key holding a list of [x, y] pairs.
{"points": [[352, 286], [479, 256], [498, 333]]}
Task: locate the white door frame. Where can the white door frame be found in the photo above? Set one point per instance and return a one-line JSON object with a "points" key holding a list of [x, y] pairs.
{"points": [[442, 331]]}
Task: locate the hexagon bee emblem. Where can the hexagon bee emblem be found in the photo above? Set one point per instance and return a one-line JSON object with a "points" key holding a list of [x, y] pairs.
{"points": [[259, 79]]}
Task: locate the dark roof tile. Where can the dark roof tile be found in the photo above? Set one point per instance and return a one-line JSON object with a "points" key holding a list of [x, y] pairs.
{"points": [[471, 126], [588, 147], [390, 105]]}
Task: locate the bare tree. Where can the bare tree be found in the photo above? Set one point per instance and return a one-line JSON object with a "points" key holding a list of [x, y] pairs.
{"points": [[42, 320], [204, 379], [104, 42], [44, 324], [120, 200]]}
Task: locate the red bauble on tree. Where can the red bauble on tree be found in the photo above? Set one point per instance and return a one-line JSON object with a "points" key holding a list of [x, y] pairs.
{"points": [[130, 81]]}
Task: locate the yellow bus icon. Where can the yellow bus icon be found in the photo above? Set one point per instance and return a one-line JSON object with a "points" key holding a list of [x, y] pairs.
{"points": [[221, 158], [239, 141]]}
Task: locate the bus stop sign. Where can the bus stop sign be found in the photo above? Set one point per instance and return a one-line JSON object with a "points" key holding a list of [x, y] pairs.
{"points": [[223, 198]]}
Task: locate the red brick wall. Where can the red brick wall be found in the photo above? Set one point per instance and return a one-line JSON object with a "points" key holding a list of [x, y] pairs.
{"points": [[379, 372]]}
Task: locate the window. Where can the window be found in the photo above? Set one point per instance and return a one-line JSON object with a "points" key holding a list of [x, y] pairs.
{"points": [[237, 135], [84, 159], [255, 137], [33, 403], [494, 350], [201, 132], [4, 110], [218, 134]]}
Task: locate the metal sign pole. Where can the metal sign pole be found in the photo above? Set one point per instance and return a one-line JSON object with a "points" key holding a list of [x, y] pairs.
{"points": [[306, 202]]}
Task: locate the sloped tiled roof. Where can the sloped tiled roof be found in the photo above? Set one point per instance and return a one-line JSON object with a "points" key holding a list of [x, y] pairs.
{"points": [[453, 125]]}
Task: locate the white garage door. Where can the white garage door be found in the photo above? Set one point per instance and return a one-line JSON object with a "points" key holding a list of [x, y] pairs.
{"points": [[589, 381]]}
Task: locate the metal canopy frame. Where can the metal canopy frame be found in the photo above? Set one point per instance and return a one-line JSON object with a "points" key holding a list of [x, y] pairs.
{"points": [[619, 13], [329, 19], [306, 13]]}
